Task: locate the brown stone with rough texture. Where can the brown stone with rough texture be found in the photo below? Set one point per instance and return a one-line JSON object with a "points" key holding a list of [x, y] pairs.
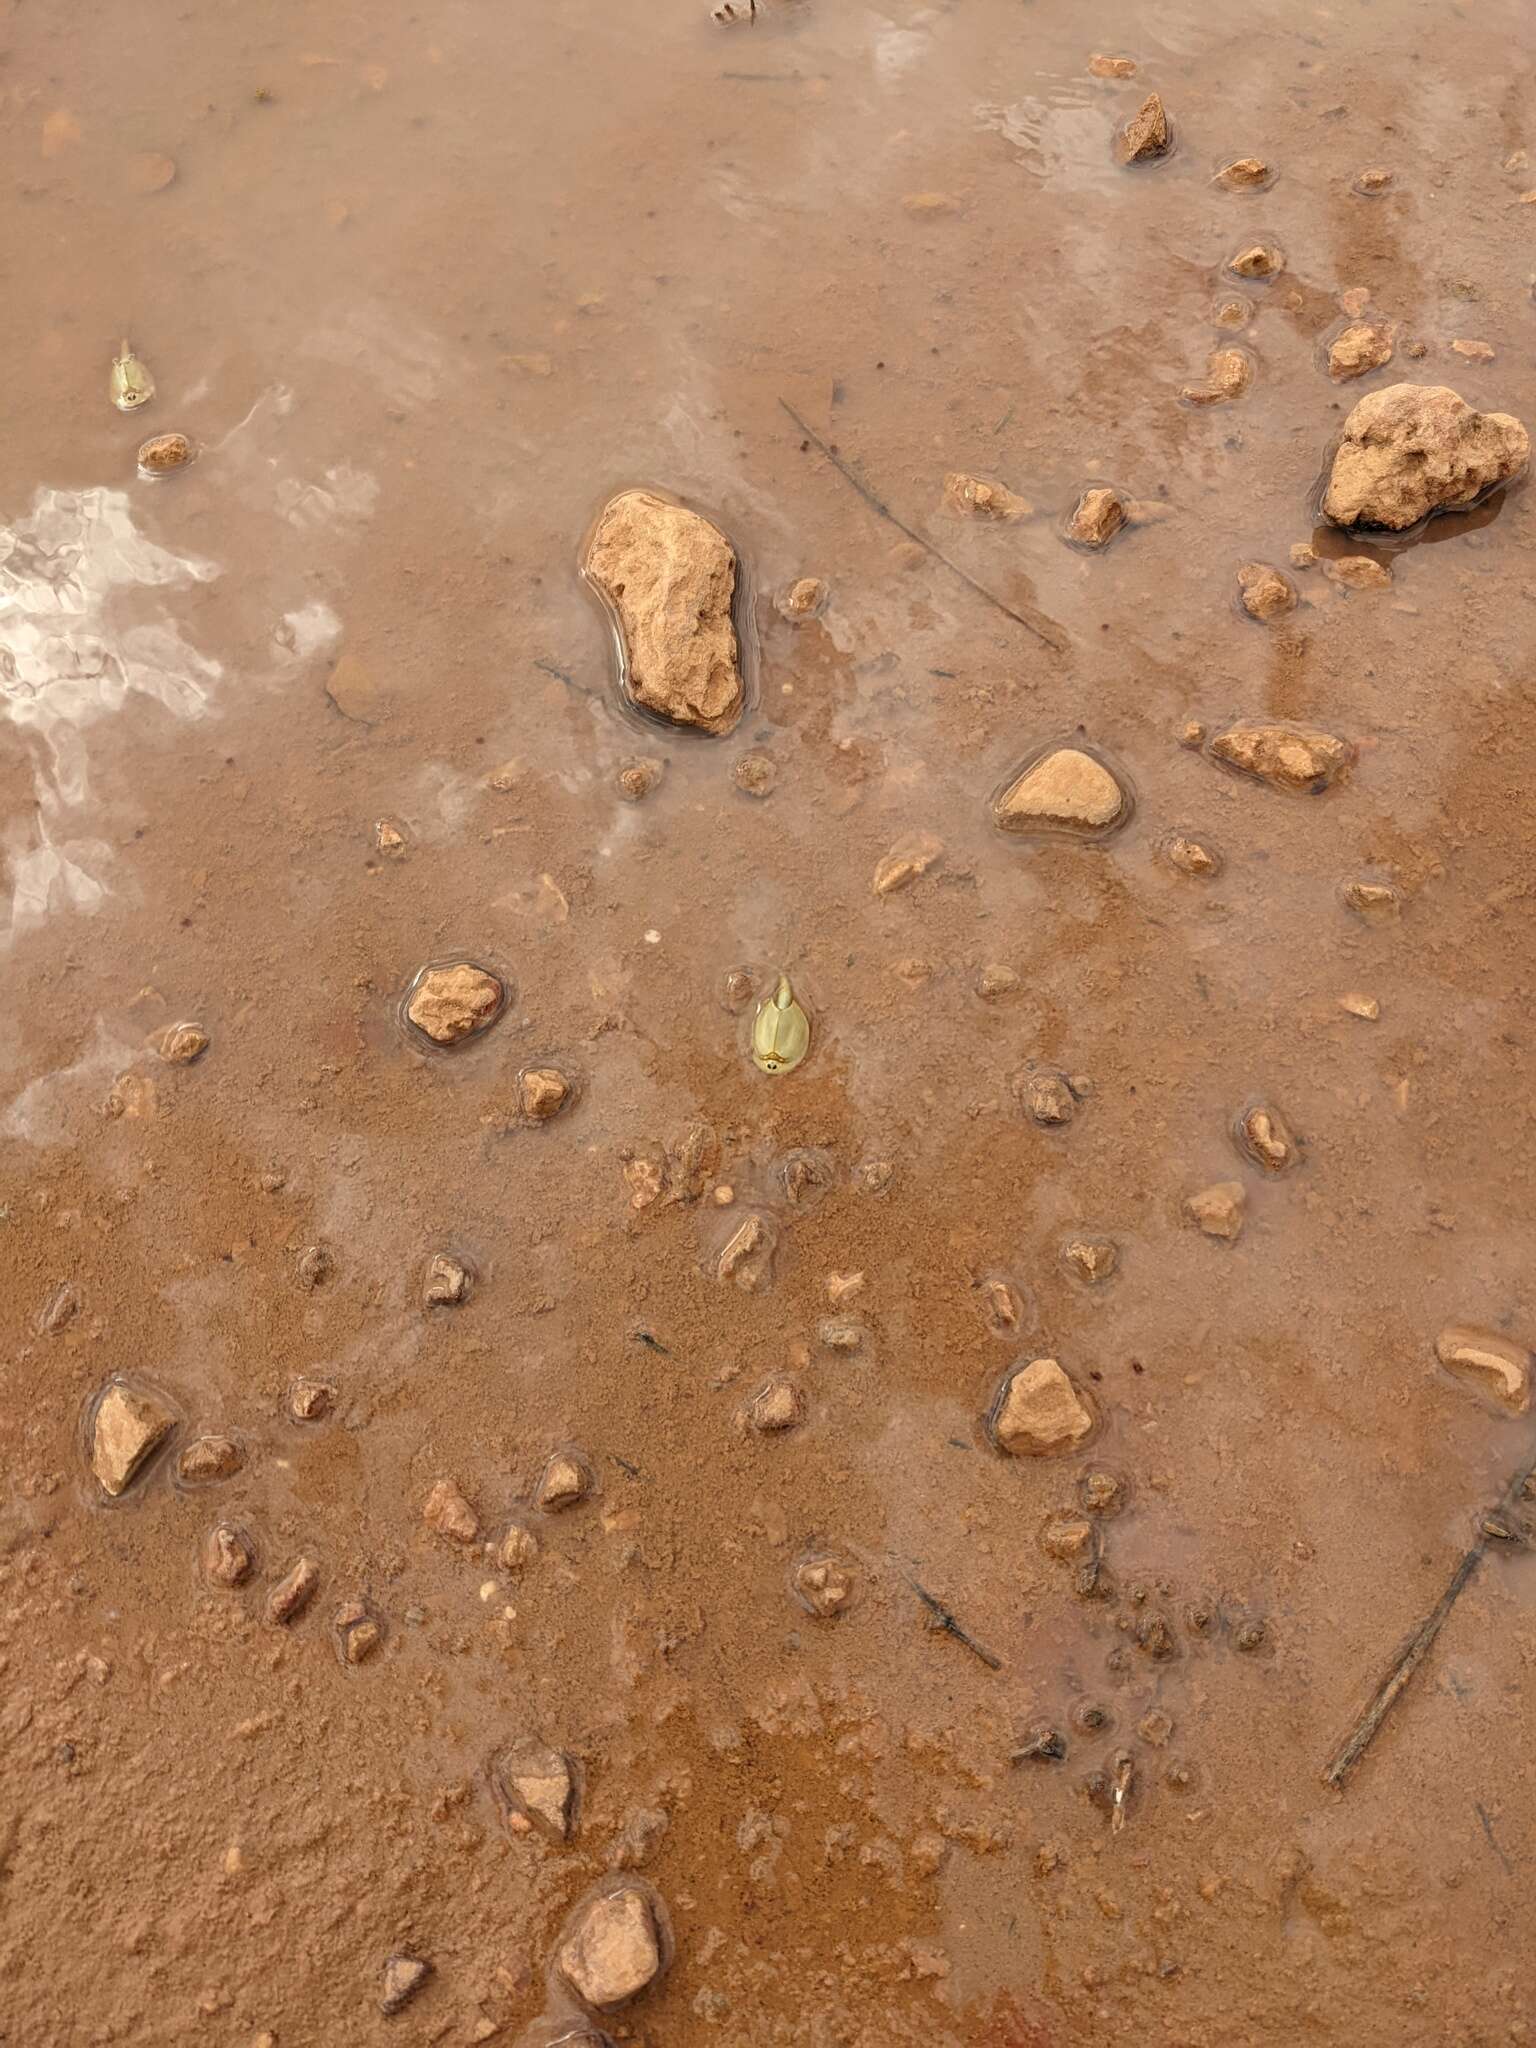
{"points": [[207, 1458], [1360, 348], [1218, 1210], [450, 1004], [778, 1406], [613, 1948], [1414, 449], [180, 1044], [1147, 134], [127, 1429], [1299, 758], [404, 1976], [538, 1783], [1265, 1137], [1357, 572], [670, 577], [542, 1092], [981, 498], [565, 1483], [1257, 260], [293, 1592], [1097, 517], [1228, 374], [1266, 593], [228, 1559], [907, 860], [1245, 173], [1039, 1412], [1493, 1364], [448, 1513], [1066, 789]]}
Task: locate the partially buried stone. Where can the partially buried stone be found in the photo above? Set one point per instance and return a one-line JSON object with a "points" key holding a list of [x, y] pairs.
{"points": [[1414, 449], [1039, 1412], [1245, 173], [564, 1483], [1191, 856], [1492, 1364], [1264, 1137], [1377, 902], [538, 1783], [310, 1400], [1266, 593], [542, 1092], [983, 499], [228, 1559], [1218, 1210], [1111, 67], [1065, 790], [358, 1633], [1298, 758], [907, 860], [755, 775], [1147, 134], [612, 1949], [449, 1514], [404, 1976], [208, 1458], [1096, 518], [777, 1406], [58, 1310], [1374, 179], [180, 1044], [1046, 1097], [1001, 1308], [1067, 1538], [450, 1004], [1228, 373], [315, 1266], [519, 1547], [447, 1283], [1257, 260], [639, 777], [293, 1592], [163, 454], [670, 577], [128, 1427], [748, 1254], [803, 599], [1094, 1259], [823, 1585], [1362, 347], [1357, 572], [993, 981], [841, 1333]]}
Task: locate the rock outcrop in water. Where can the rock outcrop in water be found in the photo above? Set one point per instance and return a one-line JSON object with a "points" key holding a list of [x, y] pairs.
{"points": [[1414, 449], [1066, 790], [670, 577], [1293, 757]]}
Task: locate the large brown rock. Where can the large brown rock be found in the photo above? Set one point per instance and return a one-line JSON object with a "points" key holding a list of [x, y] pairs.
{"points": [[670, 577], [453, 1003], [1414, 449], [1039, 1412], [1065, 790], [613, 1948], [1147, 134], [127, 1429]]}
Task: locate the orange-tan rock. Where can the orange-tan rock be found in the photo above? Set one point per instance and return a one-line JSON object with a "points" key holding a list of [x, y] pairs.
{"points": [[1414, 449]]}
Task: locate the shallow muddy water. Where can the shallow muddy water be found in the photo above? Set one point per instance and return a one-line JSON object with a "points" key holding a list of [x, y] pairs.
{"points": [[333, 704]]}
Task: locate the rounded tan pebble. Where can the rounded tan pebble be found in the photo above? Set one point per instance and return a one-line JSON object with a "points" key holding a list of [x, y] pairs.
{"points": [[542, 1092], [1360, 1006], [1257, 260], [778, 1405], [1192, 856], [1218, 1210], [150, 172], [982, 498], [208, 1458], [1264, 1137], [637, 778], [1192, 734], [519, 1547], [1377, 902], [755, 775], [449, 1514], [162, 454], [1067, 1537], [909, 859], [1374, 179], [448, 1281], [228, 1558], [1039, 1412], [1303, 555], [613, 1948], [1474, 351], [451, 1004], [1111, 67], [1357, 572], [293, 1592], [1097, 517], [1102, 1492], [1092, 1259], [823, 1585], [995, 981], [180, 1044], [803, 599], [1065, 789], [1232, 313], [1266, 594], [1046, 1097]]}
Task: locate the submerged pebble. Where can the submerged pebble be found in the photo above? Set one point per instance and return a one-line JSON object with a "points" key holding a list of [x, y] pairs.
{"points": [[1363, 346], [982, 498], [447, 1513], [228, 1556], [1066, 789], [163, 454], [542, 1092], [1264, 1136], [639, 776], [129, 1425], [907, 860], [1191, 856], [1494, 1365], [451, 1004], [1266, 594], [755, 775], [180, 1044], [777, 1405], [293, 1592], [1219, 1209], [805, 598], [823, 1585], [1091, 1259], [1097, 517], [1039, 1412], [209, 1458], [1298, 758]]}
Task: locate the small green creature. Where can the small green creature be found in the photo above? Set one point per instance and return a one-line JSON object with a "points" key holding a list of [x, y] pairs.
{"points": [[781, 1031], [131, 385]]}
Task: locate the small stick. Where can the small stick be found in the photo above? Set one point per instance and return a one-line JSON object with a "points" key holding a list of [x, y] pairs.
{"points": [[652, 1343], [1032, 621], [946, 1624], [1349, 1752]]}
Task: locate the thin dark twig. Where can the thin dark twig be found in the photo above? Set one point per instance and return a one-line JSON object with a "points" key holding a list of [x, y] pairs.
{"points": [[560, 676], [1413, 1652], [652, 1343], [1032, 621], [946, 1623]]}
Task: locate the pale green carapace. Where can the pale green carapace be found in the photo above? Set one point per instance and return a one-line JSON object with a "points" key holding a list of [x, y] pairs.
{"points": [[131, 385], [781, 1031]]}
